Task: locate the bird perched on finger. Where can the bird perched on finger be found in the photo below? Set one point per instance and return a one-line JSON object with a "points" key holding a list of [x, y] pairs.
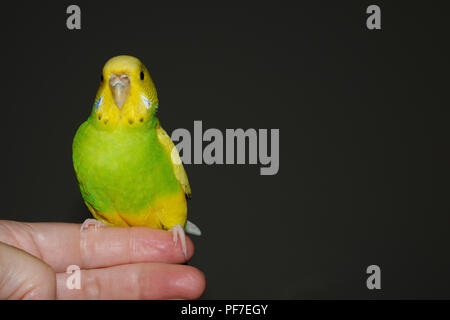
{"points": [[128, 169]]}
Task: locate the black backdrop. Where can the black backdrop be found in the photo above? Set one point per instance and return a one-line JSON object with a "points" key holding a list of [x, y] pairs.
{"points": [[363, 118]]}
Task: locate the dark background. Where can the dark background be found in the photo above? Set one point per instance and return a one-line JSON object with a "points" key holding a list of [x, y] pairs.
{"points": [[363, 118]]}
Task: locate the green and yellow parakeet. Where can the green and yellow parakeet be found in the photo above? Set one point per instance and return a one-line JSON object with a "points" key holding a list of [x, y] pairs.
{"points": [[129, 172]]}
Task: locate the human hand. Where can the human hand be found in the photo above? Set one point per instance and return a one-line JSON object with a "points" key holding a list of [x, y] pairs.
{"points": [[115, 263]]}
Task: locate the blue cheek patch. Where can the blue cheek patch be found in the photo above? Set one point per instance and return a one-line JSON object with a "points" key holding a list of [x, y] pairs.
{"points": [[146, 102], [97, 104]]}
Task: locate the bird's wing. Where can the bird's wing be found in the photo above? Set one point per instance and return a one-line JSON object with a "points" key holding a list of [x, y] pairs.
{"points": [[177, 165]]}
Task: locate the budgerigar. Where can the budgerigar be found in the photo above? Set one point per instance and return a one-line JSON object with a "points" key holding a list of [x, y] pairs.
{"points": [[129, 172]]}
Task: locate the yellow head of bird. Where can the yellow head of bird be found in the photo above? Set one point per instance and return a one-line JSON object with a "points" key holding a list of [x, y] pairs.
{"points": [[127, 95]]}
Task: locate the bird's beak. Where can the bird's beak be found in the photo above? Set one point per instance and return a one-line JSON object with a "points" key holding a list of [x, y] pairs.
{"points": [[120, 88]]}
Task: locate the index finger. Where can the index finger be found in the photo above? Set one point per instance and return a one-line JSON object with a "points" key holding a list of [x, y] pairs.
{"points": [[62, 244]]}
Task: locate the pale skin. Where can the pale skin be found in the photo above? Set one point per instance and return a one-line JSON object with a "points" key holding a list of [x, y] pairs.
{"points": [[116, 263]]}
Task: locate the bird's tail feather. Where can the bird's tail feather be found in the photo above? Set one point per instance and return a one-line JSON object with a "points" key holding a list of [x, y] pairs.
{"points": [[192, 229]]}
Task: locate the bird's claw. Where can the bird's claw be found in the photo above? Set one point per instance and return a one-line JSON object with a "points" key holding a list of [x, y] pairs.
{"points": [[92, 223], [178, 232]]}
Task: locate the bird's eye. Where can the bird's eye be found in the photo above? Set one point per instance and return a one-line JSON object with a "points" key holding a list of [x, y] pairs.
{"points": [[142, 75], [101, 78]]}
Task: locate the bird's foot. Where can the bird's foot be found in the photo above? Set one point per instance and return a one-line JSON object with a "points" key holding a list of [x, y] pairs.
{"points": [[178, 231], [92, 224]]}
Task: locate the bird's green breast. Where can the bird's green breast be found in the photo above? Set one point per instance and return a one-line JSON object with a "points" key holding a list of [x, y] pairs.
{"points": [[124, 169]]}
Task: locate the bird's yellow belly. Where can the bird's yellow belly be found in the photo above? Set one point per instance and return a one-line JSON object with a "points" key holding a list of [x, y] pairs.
{"points": [[164, 213]]}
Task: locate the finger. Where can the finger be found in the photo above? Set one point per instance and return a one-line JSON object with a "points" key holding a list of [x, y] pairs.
{"points": [[62, 244], [134, 281], [23, 276]]}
